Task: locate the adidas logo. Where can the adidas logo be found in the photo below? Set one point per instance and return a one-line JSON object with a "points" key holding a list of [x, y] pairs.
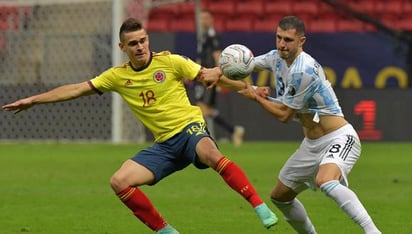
{"points": [[128, 82]]}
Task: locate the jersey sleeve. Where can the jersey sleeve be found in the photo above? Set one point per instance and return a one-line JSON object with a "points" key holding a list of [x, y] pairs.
{"points": [[265, 61], [103, 82], [185, 67]]}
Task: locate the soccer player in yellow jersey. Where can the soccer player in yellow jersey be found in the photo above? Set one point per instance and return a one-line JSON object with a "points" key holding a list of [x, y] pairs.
{"points": [[152, 86]]}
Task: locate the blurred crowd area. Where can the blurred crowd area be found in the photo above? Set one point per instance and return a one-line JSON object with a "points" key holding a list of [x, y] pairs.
{"points": [[261, 15], [251, 15]]}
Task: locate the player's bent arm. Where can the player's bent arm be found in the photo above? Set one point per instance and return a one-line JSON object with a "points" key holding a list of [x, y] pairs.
{"points": [[282, 112], [59, 94], [231, 84], [214, 76]]}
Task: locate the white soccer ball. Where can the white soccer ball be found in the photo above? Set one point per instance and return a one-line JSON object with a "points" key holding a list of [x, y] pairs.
{"points": [[236, 62]]}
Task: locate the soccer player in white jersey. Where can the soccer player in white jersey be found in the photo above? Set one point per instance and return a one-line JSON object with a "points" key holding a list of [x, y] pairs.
{"points": [[330, 147]]}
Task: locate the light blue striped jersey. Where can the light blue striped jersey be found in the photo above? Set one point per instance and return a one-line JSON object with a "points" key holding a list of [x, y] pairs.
{"points": [[302, 86]]}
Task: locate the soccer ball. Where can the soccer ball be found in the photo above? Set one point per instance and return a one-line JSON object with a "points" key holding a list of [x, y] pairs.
{"points": [[236, 62]]}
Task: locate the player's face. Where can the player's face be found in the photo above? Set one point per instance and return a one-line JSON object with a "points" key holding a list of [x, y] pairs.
{"points": [[289, 44], [136, 45], [206, 19]]}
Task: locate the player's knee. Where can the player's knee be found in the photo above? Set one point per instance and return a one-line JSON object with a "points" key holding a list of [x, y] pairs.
{"points": [[322, 180], [117, 183], [325, 178], [274, 196], [279, 197], [327, 172], [282, 193]]}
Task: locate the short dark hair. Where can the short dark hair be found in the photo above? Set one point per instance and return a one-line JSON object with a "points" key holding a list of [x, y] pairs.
{"points": [[130, 25], [292, 22]]}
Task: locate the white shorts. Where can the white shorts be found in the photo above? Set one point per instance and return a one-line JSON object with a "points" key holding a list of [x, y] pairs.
{"points": [[341, 147]]}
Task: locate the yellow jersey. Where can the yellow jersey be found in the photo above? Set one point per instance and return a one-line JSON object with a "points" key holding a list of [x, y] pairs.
{"points": [[156, 93]]}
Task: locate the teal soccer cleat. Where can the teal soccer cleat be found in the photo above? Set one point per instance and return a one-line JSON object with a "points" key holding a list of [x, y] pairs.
{"points": [[267, 217], [168, 230]]}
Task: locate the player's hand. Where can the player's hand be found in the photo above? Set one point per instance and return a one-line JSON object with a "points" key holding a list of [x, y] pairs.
{"points": [[249, 92], [17, 106], [263, 91], [210, 76]]}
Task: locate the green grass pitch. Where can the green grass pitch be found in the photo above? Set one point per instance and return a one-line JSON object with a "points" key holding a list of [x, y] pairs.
{"points": [[64, 189]]}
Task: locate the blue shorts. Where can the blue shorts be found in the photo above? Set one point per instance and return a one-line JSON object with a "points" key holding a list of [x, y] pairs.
{"points": [[174, 154]]}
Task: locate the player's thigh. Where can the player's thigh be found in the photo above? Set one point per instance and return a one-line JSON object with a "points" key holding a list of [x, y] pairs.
{"points": [[299, 170], [341, 156], [207, 151], [131, 173]]}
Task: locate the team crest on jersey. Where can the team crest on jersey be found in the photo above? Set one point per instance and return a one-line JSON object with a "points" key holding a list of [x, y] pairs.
{"points": [[291, 91], [159, 76], [316, 68]]}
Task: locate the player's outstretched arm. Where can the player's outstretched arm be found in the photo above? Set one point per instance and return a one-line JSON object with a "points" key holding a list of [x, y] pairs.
{"points": [[213, 76], [60, 94]]}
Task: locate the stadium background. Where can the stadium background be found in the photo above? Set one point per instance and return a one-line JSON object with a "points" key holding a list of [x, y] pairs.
{"points": [[48, 43]]}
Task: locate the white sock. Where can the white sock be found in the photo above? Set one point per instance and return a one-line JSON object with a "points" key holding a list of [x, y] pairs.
{"points": [[295, 214], [349, 202]]}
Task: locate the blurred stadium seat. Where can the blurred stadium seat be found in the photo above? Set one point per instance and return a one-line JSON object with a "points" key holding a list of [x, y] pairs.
{"points": [[349, 25], [221, 8], [305, 7], [277, 7], [239, 25], [251, 8], [390, 7], [322, 25], [169, 12], [364, 6], [158, 25], [183, 24], [407, 7], [261, 15], [267, 24], [405, 24], [186, 10]]}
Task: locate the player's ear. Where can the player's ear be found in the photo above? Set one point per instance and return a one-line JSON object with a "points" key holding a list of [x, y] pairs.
{"points": [[121, 46], [302, 41]]}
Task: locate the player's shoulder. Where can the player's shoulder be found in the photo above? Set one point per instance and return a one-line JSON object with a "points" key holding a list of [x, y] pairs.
{"points": [[121, 66], [163, 57], [161, 53], [118, 68], [168, 55], [270, 55], [307, 59], [306, 64]]}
